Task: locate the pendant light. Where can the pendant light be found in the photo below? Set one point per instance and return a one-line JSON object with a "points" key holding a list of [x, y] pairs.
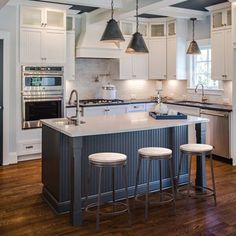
{"points": [[112, 33], [137, 43], [193, 48]]}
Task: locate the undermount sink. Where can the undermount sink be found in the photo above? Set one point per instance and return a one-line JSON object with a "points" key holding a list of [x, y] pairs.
{"points": [[194, 103], [63, 122]]}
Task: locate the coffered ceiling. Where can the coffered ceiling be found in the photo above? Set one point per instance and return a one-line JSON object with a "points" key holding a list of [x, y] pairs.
{"points": [[198, 5]]}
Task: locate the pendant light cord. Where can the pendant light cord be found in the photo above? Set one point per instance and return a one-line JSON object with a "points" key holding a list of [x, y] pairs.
{"points": [[137, 22], [193, 29], [112, 9]]}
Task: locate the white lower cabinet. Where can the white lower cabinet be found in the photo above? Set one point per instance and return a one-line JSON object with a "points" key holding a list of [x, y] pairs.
{"points": [[29, 147], [104, 110], [139, 107], [192, 111]]}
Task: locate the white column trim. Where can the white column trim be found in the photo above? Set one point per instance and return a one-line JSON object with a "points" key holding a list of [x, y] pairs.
{"points": [[8, 157]]}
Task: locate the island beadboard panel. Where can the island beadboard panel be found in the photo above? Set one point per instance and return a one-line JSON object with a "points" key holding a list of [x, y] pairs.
{"points": [[56, 175]]}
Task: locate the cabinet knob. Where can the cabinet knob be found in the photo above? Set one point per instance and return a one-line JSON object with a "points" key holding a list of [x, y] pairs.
{"points": [[1, 107]]}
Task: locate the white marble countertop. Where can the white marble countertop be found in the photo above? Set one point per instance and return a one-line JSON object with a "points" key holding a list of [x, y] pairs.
{"points": [[110, 124]]}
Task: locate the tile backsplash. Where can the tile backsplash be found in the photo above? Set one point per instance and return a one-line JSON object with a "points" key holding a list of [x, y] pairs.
{"points": [[92, 74]]}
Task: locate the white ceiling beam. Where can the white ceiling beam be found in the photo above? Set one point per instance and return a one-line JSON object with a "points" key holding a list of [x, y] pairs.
{"points": [[91, 3], [3, 3], [128, 9]]}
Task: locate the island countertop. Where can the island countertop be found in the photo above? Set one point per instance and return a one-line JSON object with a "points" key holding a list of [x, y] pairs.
{"points": [[128, 122]]}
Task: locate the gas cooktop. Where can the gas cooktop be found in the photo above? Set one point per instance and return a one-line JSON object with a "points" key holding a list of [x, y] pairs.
{"points": [[101, 101]]}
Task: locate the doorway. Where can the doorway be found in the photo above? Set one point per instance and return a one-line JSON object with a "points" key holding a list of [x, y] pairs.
{"points": [[1, 101]]}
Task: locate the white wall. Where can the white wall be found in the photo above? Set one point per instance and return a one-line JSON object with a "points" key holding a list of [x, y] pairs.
{"points": [[8, 19]]}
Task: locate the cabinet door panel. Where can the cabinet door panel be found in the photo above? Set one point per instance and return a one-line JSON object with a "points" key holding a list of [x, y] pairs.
{"points": [[116, 110], [171, 58], [140, 66], [55, 19], [54, 46], [157, 59], [94, 111], [31, 46], [228, 54], [32, 17], [218, 52]]}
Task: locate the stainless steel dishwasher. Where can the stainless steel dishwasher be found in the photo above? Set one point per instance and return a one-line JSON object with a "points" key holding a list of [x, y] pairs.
{"points": [[217, 133]]}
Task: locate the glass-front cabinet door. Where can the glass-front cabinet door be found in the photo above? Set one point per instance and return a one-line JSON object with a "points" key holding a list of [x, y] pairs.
{"points": [[32, 17], [171, 29], [157, 30], [55, 19], [221, 19], [217, 19]]}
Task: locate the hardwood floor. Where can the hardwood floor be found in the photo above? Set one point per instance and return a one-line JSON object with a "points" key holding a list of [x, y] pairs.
{"points": [[23, 212]]}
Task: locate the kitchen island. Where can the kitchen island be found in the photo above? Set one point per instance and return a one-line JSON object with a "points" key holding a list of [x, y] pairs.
{"points": [[65, 150]]}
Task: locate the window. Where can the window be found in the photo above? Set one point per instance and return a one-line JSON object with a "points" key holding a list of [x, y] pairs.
{"points": [[200, 69]]}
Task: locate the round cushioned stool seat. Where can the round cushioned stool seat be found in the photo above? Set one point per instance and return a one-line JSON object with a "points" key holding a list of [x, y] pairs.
{"points": [[155, 151], [107, 158], [197, 148]]}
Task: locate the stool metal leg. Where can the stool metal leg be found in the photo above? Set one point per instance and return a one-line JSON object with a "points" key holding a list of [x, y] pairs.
{"points": [[189, 173], [137, 177], [172, 182], [160, 177], [113, 185], [126, 191], [179, 169], [147, 192], [87, 184], [213, 179], [99, 198]]}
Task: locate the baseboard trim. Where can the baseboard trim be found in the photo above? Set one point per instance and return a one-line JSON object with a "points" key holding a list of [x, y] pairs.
{"points": [[223, 159], [64, 207]]}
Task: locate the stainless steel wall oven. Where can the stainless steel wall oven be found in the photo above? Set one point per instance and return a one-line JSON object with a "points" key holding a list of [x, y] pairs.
{"points": [[42, 95]]}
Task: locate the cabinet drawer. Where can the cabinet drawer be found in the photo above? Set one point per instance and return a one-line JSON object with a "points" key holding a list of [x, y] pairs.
{"points": [[28, 148], [137, 108]]}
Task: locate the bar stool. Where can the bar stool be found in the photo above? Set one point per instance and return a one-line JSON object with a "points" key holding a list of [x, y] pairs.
{"points": [[150, 154], [201, 150], [101, 161]]}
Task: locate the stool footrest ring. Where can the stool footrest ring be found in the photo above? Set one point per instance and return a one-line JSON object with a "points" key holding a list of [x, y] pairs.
{"points": [[89, 207], [169, 196], [195, 193]]}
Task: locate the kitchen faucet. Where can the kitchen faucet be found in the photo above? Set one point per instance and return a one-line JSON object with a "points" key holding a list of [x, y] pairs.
{"points": [[204, 98], [75, 119]]}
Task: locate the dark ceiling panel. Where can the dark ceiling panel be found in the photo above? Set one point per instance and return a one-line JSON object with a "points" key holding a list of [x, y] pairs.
{"points": [[150, 16], [198, 4], [80, 8]]}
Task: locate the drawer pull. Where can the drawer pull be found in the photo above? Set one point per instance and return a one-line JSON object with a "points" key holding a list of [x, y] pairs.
{"points": [[29, 147]]}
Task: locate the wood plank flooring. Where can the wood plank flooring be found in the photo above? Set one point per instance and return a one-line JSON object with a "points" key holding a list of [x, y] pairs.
{"points": [[23, 212]]}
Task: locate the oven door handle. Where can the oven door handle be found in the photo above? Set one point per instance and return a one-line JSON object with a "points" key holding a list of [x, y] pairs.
{"points": [[42, 99]]}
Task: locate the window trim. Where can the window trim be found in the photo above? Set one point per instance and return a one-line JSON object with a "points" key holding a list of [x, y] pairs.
{"points": [[219, 91]]}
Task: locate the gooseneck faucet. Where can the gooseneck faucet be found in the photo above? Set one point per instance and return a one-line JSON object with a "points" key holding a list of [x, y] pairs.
{"points": [[75, 119], [204, 98]]}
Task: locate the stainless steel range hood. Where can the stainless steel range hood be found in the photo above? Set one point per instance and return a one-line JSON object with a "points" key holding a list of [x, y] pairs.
{"points": [[89, 44]]}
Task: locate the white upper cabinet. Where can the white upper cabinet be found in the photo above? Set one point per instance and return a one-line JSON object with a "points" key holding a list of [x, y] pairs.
{"points": [[70, 56], [54, 46], [133, 66], [128, 28], [157, 30], [222, 54], [42, 36], [35, 17], [171, 28], [221, 42], [157, 59], [171, 58], [31, 46], [221, 16]]}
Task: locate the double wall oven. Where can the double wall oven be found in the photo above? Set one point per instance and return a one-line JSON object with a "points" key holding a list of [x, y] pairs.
{"points": [[42, 95]]}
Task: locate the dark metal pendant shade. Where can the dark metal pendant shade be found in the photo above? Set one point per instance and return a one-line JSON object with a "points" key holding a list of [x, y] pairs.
{"points": [[112, 33], [137, 44], [193, 48]]}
